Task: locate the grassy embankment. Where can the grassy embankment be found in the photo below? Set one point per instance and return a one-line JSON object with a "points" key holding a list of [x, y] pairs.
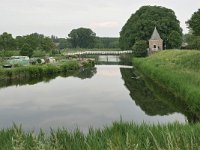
{"points": [[118, 137], [32, 71], [177, 71]]}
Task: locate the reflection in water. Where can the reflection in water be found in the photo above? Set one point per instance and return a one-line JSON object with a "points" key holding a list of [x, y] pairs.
{"points": [[124, 59], [71, 102], [82, 74], [152, 99]]}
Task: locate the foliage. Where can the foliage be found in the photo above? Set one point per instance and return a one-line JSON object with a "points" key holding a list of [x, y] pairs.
{"points": [[140, 48], [100, 42], [26, 51], [142, 23], [82, 37], [7, 42], [174, 40], [105, 42], [33, 71], [61, 43], [177, 71], [39, 53], [193, 41], [35, 41], [194, 23], [7, 53], [119, 136], [47, 44]]}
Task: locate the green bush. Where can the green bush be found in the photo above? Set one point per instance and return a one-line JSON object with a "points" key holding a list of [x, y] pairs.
{"points": [[39, 53], [140, 48]]}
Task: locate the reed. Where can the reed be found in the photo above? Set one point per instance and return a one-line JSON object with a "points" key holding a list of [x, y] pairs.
{"points": [[119, 136]]}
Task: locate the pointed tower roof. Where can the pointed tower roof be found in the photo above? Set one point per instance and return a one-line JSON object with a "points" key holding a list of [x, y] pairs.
{"points": [[155, 35]]}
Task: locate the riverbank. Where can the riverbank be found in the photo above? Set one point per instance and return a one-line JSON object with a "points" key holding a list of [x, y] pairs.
{"points": [[177, 71], [119, 136], [33, 71]]}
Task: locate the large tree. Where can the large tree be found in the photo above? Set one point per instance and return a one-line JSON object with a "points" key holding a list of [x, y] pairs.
{"points": [[82, 37], [194, 23], [142, 23]]}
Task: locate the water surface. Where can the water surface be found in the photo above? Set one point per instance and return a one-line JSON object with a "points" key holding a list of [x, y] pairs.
{"points": [[109, 94]]}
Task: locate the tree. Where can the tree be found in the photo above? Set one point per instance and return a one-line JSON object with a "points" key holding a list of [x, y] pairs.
{"points": [[7, 42], [174, 40], [142, 23], [26, 50], [82, 37], [140, 48], [34, 40], [106, 42], [47, 44], [193, 41], [194, 23]]}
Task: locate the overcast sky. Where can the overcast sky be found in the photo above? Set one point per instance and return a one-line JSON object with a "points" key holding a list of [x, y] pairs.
{"points": [[59, 17]]}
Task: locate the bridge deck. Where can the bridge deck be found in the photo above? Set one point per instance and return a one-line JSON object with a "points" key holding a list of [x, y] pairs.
{"points": [[100, 53]]}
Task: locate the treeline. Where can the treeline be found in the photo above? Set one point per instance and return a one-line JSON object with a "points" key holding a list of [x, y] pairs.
{"points": [[38, 45], [35, 41], [100, 42], [26, 44]]}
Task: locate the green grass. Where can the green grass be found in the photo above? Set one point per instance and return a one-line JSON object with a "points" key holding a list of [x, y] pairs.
{"points": [[177, 71], [120, 136], [32, 71]]}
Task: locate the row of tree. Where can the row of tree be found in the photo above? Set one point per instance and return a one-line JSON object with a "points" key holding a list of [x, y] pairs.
{"points": [[85, 38], [26, 44], [35, 41], [78, 38]]}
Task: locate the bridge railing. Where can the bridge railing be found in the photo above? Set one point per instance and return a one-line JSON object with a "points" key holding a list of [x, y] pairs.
{"points": [[100, 53]]}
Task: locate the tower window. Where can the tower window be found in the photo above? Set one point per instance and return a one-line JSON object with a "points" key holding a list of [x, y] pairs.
{"points": [[154, 46]]}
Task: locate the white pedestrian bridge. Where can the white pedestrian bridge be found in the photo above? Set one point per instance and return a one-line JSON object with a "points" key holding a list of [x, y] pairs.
{"points": [[100, 53]]}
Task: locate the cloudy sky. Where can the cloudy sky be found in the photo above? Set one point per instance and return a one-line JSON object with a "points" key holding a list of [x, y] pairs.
{"points": [[59, 17]]}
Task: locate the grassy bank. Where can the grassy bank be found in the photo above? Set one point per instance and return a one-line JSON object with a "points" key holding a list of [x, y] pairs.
{"points": [[32, 71], [118, 137], [177, 71]]}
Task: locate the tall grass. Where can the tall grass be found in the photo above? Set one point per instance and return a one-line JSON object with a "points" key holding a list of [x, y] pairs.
{"points": [[177, 71], [120, 136]]}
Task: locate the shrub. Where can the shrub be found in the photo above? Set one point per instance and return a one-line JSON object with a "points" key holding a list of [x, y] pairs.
{"points": [[174, 40], [140, 48]]}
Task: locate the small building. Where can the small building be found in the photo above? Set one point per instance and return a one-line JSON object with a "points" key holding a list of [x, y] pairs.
{"points": [[155, 42], [50, 60], [18, 60]]}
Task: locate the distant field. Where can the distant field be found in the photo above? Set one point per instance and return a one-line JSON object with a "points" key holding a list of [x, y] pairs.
{"points": [[176, 70]]}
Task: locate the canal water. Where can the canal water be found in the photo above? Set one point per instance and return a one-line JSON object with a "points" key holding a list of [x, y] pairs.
{"points": [[89, 98]]}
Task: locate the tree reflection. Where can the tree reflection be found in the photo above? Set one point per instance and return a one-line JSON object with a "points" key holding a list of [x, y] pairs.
{"points": [[152, 99], [82, 74]]}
